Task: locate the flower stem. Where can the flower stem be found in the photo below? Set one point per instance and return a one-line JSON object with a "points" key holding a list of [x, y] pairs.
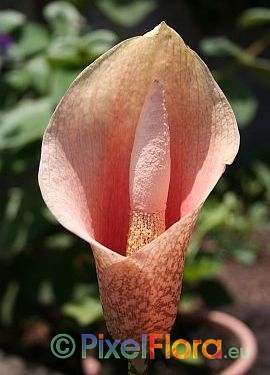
{"points": [[137, 366]]}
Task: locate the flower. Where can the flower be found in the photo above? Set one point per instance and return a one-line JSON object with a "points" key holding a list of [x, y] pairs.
{"points": [[5, 43], [96, 139]]}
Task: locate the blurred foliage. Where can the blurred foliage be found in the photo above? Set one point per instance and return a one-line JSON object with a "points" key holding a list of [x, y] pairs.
{"points": [[236, 59], [255, 17], [236, 226], [237, 223], [41, 264], [126, 13]]}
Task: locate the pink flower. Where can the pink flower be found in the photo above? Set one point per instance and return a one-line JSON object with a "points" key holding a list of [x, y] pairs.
{"points": [[95, 174]]}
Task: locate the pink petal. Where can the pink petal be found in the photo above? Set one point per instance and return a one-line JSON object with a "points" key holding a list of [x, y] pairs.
{"points": [[84, 170]]}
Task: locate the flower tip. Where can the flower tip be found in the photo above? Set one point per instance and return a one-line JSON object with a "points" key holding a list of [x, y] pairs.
{"points": [[158, 29], [163, 25]]}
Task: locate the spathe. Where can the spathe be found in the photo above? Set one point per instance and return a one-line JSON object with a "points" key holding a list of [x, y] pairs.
{"points": [[84, 170]]}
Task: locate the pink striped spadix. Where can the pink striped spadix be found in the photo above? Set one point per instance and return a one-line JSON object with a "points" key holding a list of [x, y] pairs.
{"points": [[94, 169]]}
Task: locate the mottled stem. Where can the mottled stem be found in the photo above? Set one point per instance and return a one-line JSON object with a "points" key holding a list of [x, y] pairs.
{"points": [[137, 366]]}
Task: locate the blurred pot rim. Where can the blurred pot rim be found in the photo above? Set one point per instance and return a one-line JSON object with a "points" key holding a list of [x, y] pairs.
{"points": [[238, 329]]}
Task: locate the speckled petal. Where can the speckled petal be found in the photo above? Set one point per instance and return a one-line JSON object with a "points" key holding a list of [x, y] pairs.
{"points": [[84, 169], [140, 293]]}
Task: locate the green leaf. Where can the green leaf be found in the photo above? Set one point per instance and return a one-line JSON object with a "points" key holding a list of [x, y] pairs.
{"points": [[126, 13], [8, 303], [34, 39], [25, 123], [10, 20], [59, 241], [61, 79], [260, 67], [18, 79], [98, 42], [262, 172], [188, 302], [13, 233], [21, 223], [203, 267], [38, 71], [46, 293], [86, 312], [244, 255], [220, 46], [223, 47], [190, 360], [34, 74], [65, 52], [211, 218], [254, 17], [244, 104], [85, 307], [63, 18]]}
